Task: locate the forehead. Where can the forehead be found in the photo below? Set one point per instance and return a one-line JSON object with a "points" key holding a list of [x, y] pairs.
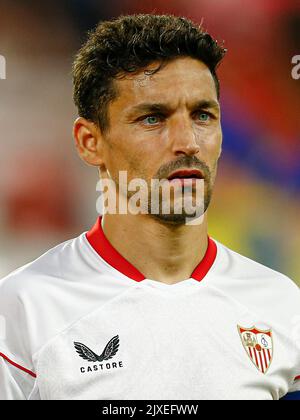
{"points": [[182, 80]]}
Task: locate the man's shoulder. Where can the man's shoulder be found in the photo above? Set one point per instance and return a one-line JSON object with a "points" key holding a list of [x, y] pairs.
{"points": [[259, 288], [63, 278], [43, 297], [48, 268], [242, 269]]}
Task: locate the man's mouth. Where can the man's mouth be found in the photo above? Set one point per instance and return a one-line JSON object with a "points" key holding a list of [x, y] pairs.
{"points": [[186, 176]]}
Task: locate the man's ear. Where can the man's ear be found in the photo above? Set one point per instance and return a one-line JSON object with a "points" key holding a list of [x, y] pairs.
{"points": [[89, 141]]}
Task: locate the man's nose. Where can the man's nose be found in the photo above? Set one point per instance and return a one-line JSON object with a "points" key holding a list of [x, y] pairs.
{"points": [[183, 138]]}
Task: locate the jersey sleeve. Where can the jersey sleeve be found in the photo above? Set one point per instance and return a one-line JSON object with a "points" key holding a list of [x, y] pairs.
{"points": [[294, 388], [294, 391], [15, 382], [17, 377], [296, 385]]}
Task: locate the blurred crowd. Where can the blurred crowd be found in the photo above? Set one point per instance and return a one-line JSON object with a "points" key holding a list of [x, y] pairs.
{"points": [[48, 195]]}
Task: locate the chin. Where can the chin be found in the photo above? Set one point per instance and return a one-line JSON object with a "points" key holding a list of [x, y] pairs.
{"points": [[176, 219]]}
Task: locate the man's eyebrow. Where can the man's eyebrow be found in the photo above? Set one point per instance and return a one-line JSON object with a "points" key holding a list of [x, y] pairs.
{"points": [[206, 104], [154, 107], [149, 107]]}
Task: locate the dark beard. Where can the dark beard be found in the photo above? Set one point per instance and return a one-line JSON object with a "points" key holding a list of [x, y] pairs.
{"points": [[179, 219]]}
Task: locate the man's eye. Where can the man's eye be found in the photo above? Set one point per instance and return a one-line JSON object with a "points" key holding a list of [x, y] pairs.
{"points": [[203, 116], [151, 120]]}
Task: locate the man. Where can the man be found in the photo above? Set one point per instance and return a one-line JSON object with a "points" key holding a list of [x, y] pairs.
{"points": [[146, 305]]}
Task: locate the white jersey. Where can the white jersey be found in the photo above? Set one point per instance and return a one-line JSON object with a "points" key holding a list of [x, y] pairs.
{"points": [[82, 323]]}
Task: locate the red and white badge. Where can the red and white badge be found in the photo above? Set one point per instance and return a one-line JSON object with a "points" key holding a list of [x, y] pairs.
{"points": [[258, 345]]}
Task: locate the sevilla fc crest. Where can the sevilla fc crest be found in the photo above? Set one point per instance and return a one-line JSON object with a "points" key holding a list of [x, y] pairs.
{"points": [[258, 345]]}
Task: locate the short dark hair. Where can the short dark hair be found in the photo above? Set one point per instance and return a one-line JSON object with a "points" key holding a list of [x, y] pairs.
{"points": [[129, 44]]}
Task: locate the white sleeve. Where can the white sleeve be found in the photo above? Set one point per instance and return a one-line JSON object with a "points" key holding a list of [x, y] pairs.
{"points": [[295, 387], [15, 383], [16, 369]]}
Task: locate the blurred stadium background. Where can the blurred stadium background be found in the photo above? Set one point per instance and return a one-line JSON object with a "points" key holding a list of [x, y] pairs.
{"points": [[47, 195]]}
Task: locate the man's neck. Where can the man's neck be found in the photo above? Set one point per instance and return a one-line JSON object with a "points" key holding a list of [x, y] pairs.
{"points": [[161, 252]]}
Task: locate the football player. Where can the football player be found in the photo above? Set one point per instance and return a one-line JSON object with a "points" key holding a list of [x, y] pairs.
{"points": [[146, 305]]}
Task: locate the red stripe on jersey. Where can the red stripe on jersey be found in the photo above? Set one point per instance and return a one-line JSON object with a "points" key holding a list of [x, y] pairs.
{"points": [[261, 362], [250, 352], [297, 378], [18, 366], [103, 247], [265, 358], [256, 359]]}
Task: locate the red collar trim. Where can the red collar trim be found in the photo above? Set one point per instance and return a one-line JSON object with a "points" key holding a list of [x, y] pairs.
{"points": [[205, 265], [103, 247]]}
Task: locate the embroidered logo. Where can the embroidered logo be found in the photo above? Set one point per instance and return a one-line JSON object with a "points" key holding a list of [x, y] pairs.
{"points": [[109, 352], [258, 345]]}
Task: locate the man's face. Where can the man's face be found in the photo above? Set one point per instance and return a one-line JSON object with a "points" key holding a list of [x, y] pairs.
{"points": [[162, 123]]}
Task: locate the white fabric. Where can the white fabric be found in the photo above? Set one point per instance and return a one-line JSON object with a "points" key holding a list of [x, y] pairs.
{"points": [[175, 341]]}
